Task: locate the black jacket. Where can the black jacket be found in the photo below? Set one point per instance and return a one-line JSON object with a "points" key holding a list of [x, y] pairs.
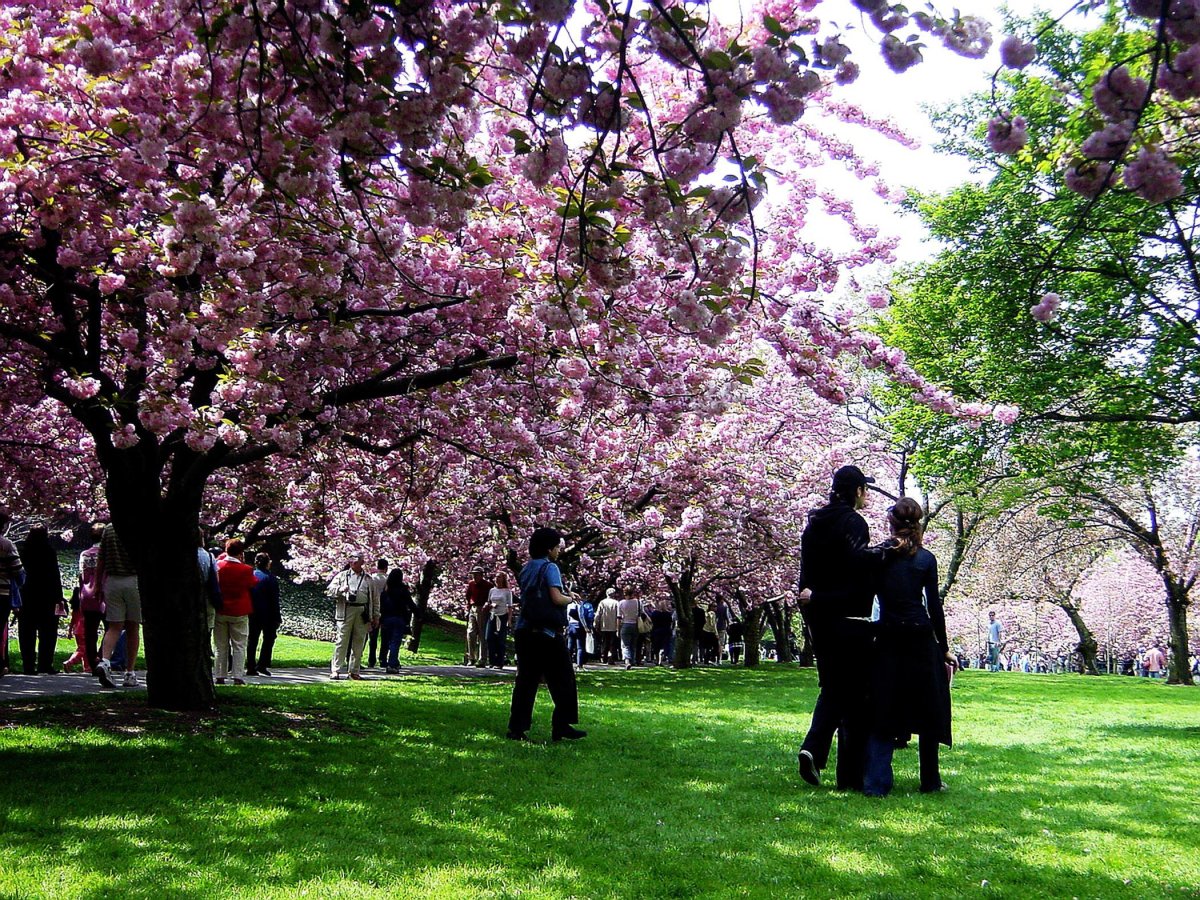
{"points": [[836, 562]]}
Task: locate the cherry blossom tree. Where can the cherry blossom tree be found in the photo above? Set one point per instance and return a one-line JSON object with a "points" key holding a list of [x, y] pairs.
{"points": [[233, 234]]}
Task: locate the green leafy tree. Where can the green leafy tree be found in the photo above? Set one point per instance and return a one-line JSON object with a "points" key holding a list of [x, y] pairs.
{"points": [[1080, 310]]}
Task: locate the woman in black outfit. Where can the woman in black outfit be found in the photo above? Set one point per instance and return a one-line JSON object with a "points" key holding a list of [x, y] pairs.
{"points": [[910, 688], [37, 624]]}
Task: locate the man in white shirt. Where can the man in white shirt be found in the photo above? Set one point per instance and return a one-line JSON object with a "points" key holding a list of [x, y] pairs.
{"points": [[357, 611]]}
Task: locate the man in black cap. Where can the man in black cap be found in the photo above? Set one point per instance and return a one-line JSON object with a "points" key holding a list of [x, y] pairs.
{"points": [[836, 590]]}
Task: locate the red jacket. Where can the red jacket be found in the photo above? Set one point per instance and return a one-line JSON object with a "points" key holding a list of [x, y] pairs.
{"points": [[236, 580]]}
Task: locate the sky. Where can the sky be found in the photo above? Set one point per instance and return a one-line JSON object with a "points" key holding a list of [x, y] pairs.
{"points": [[940, 79]]}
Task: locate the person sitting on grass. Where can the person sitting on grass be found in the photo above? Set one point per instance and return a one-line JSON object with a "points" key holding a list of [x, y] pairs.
{"points": [[540, 638]]}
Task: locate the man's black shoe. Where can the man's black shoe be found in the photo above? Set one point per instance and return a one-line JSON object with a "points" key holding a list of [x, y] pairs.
{"points": [[264, 672], [808, 769], [569, 734], [516, 735]]}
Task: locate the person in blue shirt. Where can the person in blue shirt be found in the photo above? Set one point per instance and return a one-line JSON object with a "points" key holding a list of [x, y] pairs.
{"points": [[540, 638], [265, 618]]}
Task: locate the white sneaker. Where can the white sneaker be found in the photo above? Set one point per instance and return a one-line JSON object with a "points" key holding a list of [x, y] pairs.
{"points": [[131, 680], [104, 673]]}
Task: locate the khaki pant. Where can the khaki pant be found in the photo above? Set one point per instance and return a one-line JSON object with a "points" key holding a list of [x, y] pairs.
{"points": [[476, 647], [230, 632], [352, 634]]}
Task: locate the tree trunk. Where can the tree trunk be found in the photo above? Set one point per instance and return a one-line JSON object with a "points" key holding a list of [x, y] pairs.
{"points": [[753, 622], [779, 626], [685, 632], [1179, 671], [177, 641], [431, 573], [159, 532], [1087, 648], [685, 635], [807, 658]]}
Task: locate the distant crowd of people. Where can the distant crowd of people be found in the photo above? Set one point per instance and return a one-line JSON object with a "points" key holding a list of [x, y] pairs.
{"points": [[618, 630], [105, 607]]}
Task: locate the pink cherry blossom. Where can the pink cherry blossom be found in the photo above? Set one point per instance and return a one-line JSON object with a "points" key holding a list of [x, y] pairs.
{"points": [[899, 55], [1016, 53], [1181, 77], [1153, 176], [1007, 134], [1109, 143], [1005, 414], [1046, 308], [1088, 178]]}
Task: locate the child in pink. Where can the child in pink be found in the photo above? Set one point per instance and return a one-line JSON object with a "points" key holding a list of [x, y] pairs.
{"points": [[77, 631]]}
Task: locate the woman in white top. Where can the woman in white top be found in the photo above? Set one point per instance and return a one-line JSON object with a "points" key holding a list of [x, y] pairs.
{"points": [[499, 621]]}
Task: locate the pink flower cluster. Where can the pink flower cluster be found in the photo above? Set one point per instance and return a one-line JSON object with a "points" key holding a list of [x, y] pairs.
{"points": [[1046, 308], [1007, 134], [1153, 176], [899, 55], [1016, 53]]}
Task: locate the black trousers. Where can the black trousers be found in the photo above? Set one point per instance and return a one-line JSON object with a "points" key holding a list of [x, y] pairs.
{"points": [[91, 634], [268, 632], [541, 657], [373, 648], [495, 635], [843, 649], [37, 635], [610, 646]]}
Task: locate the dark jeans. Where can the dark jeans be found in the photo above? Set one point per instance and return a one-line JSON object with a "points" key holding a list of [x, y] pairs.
{"points": [[877, 780], [610, 647], [495, 636], [268, 633], [540, 656], [394, 629], [91, 634], [660, 642], [843, 649], [37, 636], [577, 644]]}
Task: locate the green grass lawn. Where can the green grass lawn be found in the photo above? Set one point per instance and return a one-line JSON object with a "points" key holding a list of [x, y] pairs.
{"points": [[1059, 787], [439, 647]]}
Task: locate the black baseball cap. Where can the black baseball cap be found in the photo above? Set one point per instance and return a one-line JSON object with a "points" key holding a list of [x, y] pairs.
{"points": [[850, 476]]}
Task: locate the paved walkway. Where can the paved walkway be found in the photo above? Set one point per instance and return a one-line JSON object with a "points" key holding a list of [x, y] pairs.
{"points": [[28, 687]]}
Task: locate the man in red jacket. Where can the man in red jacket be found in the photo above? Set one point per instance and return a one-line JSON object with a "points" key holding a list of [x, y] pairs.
{"points": [[232, 626]]}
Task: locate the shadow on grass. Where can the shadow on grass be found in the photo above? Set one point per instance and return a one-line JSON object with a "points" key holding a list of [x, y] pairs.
{"points": [[412, 790]]}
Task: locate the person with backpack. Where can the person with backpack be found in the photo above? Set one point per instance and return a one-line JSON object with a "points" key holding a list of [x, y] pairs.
{"points": [[540, 638], [577, 633]]}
